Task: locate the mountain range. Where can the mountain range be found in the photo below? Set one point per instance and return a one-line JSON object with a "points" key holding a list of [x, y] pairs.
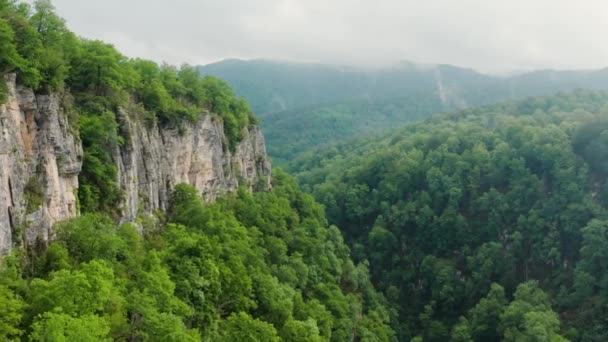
{"points": [[304, 106]]}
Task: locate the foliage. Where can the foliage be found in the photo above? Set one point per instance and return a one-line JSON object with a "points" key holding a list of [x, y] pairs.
{"points": [[58, 327], [306, 106], [261, 267], [33, 194], [11, 312], [501, 194], [99, 190]]}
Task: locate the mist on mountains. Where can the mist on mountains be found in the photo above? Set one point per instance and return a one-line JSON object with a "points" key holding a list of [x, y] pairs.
{"points": [[497, 37]]}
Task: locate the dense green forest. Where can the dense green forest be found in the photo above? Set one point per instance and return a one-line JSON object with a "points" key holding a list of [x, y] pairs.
{"points": [[263, 267], [290, 135], [487, 224], [306, 106]]}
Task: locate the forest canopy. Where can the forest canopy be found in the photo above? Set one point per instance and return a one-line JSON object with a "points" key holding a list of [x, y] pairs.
{"points": [[262, 267], [462, 214]]}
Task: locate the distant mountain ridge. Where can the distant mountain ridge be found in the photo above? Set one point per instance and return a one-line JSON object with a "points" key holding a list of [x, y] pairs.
{"points": [[303, 106], [272, 86]]}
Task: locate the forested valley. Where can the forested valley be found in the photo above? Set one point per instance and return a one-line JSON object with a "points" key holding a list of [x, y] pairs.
{"points": [[487, 224], [304, 107], [415, 217]]}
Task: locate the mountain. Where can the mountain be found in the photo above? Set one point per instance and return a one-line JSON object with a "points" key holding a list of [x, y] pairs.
{"points": [[303, 106], [272, 86], [459, 214]]}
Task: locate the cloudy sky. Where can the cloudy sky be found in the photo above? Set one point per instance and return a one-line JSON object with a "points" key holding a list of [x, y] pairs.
{"points": [[489, 35]]}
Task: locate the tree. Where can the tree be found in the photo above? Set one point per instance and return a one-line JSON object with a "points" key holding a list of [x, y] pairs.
{"points": [[461, 331], [242, 327], [81, 292], [529, 316], [484, 318], [99, 68], [11, 312], [59, 327], [300, 331], [10, 60]]}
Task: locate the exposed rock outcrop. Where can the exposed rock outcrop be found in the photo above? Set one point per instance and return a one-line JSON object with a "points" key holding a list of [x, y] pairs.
{"points": [[41, 157], [153, 161]]}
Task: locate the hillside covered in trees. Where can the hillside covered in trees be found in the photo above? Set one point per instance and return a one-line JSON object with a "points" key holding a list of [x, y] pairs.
{"points": [[305, 106], [263, 267], [488, 224]]}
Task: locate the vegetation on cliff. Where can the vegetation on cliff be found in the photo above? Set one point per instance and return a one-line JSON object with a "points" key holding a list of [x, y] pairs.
{"points": [[47, 57]]}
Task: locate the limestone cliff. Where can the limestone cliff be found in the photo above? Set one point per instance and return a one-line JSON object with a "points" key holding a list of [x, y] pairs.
{"points": [[39, 164], [41, 157], [153, 160]]}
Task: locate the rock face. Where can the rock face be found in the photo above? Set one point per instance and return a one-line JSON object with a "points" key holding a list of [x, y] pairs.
{"points": [[39, 164], [41, 157], [153, 161]]}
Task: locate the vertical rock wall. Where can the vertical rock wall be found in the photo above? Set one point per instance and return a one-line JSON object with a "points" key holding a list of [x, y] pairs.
{"points": [[153, 161], [41, 157]]}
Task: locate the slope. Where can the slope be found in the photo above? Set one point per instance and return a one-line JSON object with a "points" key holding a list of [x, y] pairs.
{"points": [[460, 212], [302, 106]]}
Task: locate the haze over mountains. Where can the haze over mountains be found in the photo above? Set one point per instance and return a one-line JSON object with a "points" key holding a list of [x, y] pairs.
{"points": [[302, 106]]}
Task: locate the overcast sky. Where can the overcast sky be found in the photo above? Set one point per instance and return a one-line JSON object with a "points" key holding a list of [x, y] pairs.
{"points": [[488, 35]]}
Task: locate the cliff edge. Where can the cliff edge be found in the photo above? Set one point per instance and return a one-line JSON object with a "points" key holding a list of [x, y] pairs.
{"points": [[41, 157]]}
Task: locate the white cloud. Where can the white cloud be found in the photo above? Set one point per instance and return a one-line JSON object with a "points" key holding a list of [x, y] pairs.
{"points": [[490, 35]]}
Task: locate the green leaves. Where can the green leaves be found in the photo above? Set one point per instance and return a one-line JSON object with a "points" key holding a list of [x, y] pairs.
{"points": [[10, 59], [11, 313], [80, 292], [242, 327], [259, 254], [499, 194], [59, 327], [99, 190], [529, 317]]}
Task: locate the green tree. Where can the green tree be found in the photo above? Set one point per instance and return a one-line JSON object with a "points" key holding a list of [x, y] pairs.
{"points": [[484, 317], [60, 327], [11, 312], [81, 292], [529, 316], [300, 331], [461, 331], [242, 327], [10, 60]]}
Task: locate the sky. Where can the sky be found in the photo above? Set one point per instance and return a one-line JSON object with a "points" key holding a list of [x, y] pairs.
{"points": [[493, 36]]}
